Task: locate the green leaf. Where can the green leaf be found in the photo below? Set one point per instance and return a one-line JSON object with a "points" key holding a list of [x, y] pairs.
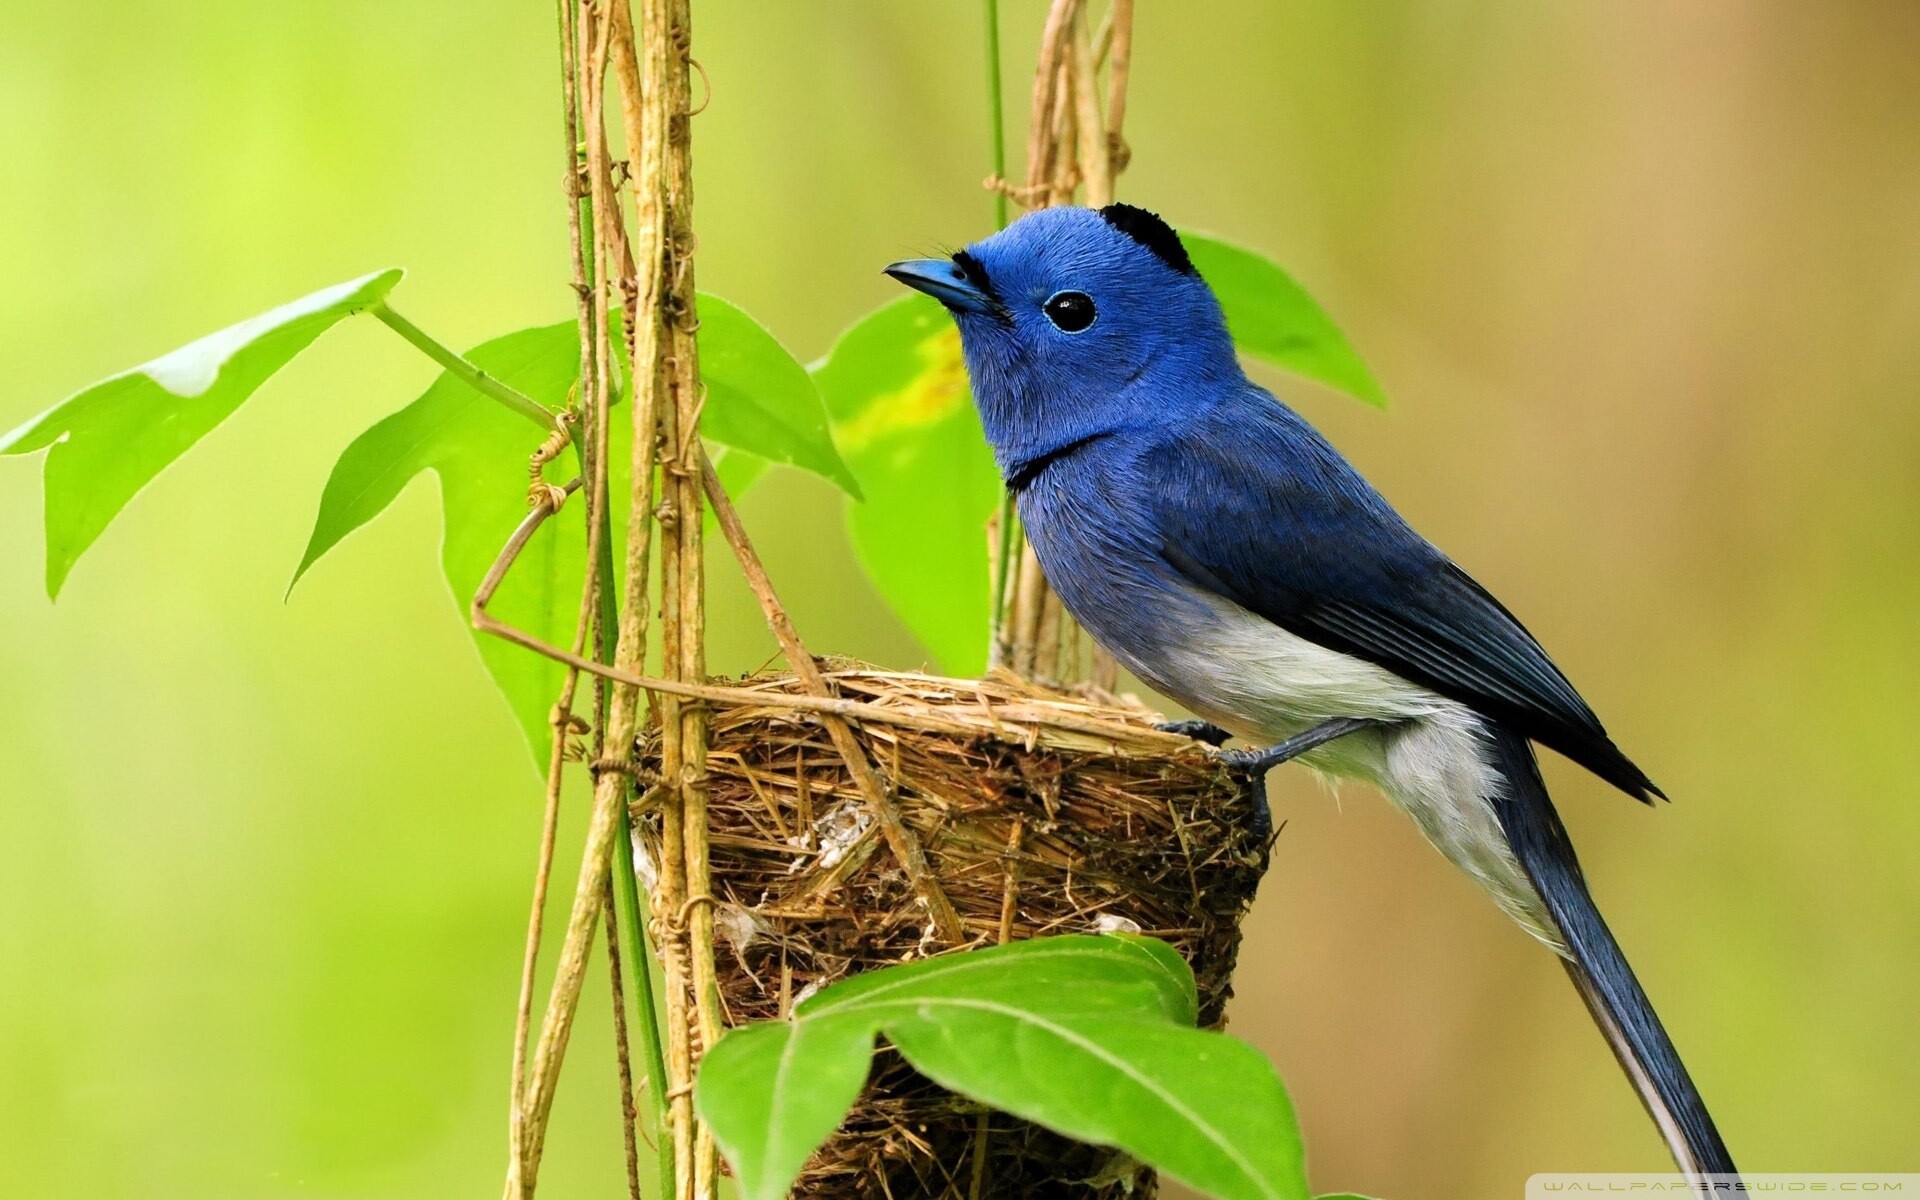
{"points": [[1109, 974], [760, 399], [1200, 1106], [775, 1091], [895, 387], [1273, 318], [479, 450], [1089, 1036], [108, 441]]}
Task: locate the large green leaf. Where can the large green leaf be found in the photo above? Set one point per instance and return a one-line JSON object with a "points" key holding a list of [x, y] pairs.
{"points": [[1089, 1036], [109, 440], [896, 389], [479, 450], [1273, 318], [759, 399]]}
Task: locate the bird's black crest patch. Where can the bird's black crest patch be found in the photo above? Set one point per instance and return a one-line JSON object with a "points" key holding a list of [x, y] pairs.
{"points": [[1153, 233]]}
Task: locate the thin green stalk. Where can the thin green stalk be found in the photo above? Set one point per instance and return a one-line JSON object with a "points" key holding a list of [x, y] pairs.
{"points": [[1002, 580], [996, 116], [474, 377], [626, 892], [629, 921], [996, 113]]}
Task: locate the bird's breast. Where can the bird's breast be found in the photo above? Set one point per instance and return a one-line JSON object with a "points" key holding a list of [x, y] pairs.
{"points": [[1254, 678], [1249, 675]]}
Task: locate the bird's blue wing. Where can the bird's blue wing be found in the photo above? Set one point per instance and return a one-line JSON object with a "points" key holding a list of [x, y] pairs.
{"points": [[1253, 504]]}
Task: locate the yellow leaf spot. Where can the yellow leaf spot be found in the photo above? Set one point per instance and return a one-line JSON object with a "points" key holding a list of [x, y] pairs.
{"points": [[930, 396]]}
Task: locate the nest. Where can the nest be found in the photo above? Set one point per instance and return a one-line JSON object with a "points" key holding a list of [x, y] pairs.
{"points": [[1040, 812]]}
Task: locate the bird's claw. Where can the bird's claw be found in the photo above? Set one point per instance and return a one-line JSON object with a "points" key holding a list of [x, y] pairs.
{"points": [[1252, 761], [1256, 763], [1262, 822], [1212, 735]]}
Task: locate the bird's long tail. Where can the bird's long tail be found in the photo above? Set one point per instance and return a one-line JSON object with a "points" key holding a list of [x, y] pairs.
{"points": [[1599, 970]]}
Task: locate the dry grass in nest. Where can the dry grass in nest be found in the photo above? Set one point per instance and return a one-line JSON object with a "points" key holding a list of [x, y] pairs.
{"points": [[1040, 812]]}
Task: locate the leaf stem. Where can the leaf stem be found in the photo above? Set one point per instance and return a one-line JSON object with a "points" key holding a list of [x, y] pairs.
{"points": [[473, 376]]}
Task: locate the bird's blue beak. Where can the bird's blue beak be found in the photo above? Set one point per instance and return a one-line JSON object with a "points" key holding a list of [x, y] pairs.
{"points": [[944, 280]]}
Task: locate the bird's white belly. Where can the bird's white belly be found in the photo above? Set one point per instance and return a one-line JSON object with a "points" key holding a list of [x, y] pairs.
{"points": [[1252, 677]]}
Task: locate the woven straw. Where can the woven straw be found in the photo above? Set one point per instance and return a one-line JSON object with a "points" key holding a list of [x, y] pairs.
{"points": [[1040, 812]]}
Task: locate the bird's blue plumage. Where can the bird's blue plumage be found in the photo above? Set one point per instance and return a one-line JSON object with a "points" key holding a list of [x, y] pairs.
{"points": [[1240, 496], [1223, 550], [1253, 504]]}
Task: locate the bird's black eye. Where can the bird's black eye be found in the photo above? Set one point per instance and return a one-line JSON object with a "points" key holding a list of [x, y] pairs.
{"points": [[1070, 312]]}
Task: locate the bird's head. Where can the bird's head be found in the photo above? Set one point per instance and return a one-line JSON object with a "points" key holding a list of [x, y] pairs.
{"points": [[1077, 322]]}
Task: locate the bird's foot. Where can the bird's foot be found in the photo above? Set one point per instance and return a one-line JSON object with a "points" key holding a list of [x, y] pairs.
{"points": [[1214, 736], [1259, 762], [1199, 731], [1262, 822], [1256, 763]]}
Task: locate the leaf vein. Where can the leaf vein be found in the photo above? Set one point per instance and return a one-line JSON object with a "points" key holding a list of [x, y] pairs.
{"points": [[1098, 1051]]}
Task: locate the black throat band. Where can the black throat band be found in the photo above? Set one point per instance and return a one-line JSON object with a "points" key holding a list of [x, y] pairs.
{"points": [[1027, 471]]}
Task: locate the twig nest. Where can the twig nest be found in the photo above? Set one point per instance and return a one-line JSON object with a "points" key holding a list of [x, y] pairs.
{"points": [[1040, 812]]}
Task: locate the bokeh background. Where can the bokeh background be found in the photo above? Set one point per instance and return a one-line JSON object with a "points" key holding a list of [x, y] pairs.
{"points": [[1642, 278]]}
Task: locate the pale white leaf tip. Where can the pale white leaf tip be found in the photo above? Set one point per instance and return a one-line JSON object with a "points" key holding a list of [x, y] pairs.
{"points": [[195, 367]]}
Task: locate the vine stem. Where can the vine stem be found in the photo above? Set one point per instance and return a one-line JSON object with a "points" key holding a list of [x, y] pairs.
{"points": [[608, 823], [900, 839], [694, 1017], [629, 1112], [465, 371], [598, 31], [519, 1182], [1006, 532], [996, 113], [635, 908], [1072, 145]]}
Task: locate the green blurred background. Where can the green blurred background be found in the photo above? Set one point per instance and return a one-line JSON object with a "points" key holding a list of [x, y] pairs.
{"points": [[1643, 280]]}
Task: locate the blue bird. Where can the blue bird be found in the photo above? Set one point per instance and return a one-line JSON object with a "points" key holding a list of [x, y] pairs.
{"points": [[1228, 555]]}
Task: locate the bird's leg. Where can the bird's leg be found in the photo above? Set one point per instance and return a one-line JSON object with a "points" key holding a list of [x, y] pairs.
{"points": [[1259, 762], [1199, 731], [1256, 763]]}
